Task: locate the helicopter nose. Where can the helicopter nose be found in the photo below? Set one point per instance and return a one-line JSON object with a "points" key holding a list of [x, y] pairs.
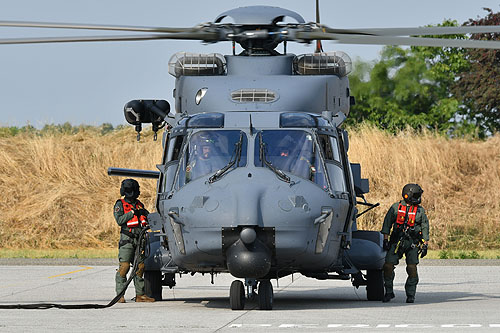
{"points": [[248, 235]]}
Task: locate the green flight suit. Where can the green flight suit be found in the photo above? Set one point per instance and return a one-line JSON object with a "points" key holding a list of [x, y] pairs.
{"points": [[407, 247], [126, 249]]}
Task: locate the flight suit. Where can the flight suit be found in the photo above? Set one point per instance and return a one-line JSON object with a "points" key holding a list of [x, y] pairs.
{"points": [[127, 248], [200, 167], [408, 247]]}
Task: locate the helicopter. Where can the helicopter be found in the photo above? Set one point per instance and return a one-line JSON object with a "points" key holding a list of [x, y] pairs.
{"points": [[255, 178]]}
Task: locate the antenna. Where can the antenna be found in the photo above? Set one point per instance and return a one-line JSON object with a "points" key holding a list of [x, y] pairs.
{"points": [[251, 126], [319, 47]]}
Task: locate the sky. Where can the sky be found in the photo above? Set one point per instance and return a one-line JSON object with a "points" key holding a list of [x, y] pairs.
{"points": [[89, 83]]}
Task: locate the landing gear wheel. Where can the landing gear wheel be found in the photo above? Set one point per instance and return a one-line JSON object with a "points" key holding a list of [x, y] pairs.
{"points": [[265, 293], [153, 284], [237, 295], [375, 285]]}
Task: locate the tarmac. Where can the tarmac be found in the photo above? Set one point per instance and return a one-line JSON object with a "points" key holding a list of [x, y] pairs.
{"points": [[453, 295]]}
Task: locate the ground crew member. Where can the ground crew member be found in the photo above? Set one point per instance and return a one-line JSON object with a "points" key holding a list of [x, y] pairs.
{"points": [[410, 236], [130, 215]]}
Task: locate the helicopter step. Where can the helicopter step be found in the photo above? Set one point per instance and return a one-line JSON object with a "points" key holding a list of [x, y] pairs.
{"points": [[171, 270]]}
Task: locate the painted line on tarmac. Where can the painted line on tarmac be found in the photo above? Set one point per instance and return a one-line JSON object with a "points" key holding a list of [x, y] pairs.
{"points": [[363, 326], [79, 270]]}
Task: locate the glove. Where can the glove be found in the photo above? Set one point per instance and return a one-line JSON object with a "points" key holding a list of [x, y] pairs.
{"points": [[423, 251], [139, 212], [386, 245]]}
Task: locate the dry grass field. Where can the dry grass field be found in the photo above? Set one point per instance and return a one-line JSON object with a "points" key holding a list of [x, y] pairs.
{"points": [[56, 193], [460, 179]]}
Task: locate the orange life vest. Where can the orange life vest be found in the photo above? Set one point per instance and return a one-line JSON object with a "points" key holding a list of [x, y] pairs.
{"points": [[134, 221], [400, 219]]}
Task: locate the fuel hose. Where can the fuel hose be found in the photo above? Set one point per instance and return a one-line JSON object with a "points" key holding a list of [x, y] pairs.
{"points": [[43, 306]]}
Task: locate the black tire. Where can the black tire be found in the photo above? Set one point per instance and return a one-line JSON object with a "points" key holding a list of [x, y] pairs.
{"points": [[237, 295], [266, 295], [375, 285], [153, 285]]}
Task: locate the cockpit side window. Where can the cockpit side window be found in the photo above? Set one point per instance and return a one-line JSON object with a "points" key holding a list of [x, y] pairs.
{"points": [[209, 151], [171, 161], [177, 148], [293, 151], [330, 147]]}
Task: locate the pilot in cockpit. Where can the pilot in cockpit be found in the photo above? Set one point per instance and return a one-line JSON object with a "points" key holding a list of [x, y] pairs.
{"points": [[281, 159], [295, 157], [202, 159]]}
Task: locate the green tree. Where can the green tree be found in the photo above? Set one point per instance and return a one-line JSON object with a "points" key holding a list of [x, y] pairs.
{"points": [[410, 87], [478, 87]]}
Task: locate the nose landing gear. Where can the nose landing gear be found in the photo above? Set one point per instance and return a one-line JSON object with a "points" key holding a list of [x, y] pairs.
{"points": [[237, 294], [266, 295]]}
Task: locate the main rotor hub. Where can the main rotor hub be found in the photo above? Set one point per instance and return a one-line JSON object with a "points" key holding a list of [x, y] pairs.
{"points": [[259, 16], [256, 28]]}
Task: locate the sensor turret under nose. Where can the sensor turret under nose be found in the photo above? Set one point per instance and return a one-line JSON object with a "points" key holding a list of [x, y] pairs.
{"points": [[248, 235], [249, 251]]}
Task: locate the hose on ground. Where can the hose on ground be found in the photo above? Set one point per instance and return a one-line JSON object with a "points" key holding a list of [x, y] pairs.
{"points": [[42, 306]]}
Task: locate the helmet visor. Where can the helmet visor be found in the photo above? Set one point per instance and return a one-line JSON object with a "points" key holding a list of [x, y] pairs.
{"points": [[129, 191]]}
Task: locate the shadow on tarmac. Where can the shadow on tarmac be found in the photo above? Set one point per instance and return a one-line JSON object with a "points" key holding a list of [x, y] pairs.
{"points": [[335, 298]]}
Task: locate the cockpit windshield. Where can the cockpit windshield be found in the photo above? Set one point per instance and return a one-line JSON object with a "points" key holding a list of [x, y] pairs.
{"points": [[292, 151], [210, 151]]}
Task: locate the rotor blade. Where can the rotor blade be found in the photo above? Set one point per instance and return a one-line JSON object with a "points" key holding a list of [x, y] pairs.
{"points": [[205, 36], [421, 31], [23, 24], [388, 40]]}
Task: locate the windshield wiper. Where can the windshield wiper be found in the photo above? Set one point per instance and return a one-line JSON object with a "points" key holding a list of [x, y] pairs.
{"points": [[281, 175], [236, 160]]}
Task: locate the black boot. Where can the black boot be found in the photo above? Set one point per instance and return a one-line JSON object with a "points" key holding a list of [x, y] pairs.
{"points": [[410, 299], [388, 297]]}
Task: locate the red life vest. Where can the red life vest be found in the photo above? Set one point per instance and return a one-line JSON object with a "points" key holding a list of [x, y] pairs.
{"points": [[134, 221], [400, 219]]}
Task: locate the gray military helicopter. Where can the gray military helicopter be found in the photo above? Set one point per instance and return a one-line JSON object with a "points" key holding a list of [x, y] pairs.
{"points": [[255, 178]]}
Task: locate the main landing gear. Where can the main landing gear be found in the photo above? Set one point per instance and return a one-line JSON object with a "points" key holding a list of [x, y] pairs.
{"points": [[264, 293]]}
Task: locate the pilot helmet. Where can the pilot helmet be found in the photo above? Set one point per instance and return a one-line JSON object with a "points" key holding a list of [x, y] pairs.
{"points": [[283, 151], [284, 147], [412, 194], [204, 140], [130, 189]]}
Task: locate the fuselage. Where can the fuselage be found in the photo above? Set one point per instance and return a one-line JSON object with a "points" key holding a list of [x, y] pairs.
{"points": [[255, 176], [288, 172]]}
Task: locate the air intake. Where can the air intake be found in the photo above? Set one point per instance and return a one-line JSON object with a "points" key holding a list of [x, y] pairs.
{"points": [[253, 96], [326, 63], [195, 64]]}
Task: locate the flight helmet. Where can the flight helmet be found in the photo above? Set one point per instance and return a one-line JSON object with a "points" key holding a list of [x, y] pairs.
{"points": [[412, 193], [130, 189], [205, 145]]}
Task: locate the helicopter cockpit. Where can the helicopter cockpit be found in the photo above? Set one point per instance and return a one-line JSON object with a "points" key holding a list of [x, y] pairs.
{"points": [[297, 148], [293, 149], [209, 151]]}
